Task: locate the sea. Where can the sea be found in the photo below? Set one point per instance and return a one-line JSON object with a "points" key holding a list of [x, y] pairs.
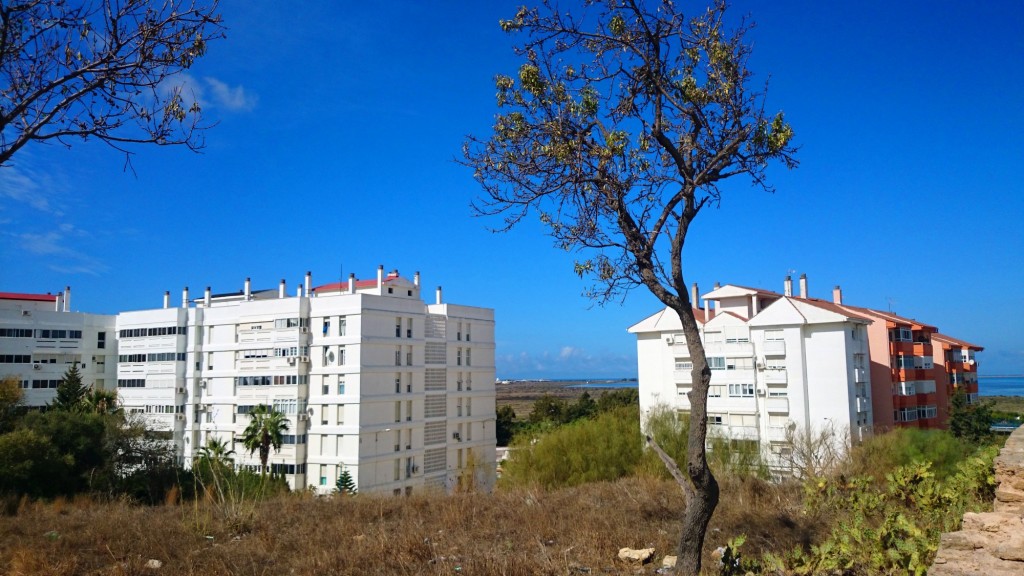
{"points": [[987, 385], [1001, 385]]}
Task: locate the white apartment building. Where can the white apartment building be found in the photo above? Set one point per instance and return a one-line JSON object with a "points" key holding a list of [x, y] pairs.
{"points": [[40, 338], [373, 380], [778, 363]]}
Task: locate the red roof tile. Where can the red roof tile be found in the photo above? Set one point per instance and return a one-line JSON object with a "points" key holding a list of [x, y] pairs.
{"points": [[29, 297]]}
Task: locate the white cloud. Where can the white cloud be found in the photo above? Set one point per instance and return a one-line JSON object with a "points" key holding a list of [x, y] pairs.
{"points": [[211, 92], [232, 98], [565, 362]]}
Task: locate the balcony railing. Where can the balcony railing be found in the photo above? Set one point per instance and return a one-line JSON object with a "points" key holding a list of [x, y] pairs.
{"points": [[775, 376]]}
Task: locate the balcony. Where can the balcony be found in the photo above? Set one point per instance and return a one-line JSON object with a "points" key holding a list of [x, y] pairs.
{"points": [[860, 375], [863, 404], [774, 348], [680, 350], [742, 432], [777, 434], [775, 376], [777, 405]]}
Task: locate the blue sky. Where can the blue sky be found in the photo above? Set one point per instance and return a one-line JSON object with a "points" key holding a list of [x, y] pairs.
{"points": [[338, 127]]}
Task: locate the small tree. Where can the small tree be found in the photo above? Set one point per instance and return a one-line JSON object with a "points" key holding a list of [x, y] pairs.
{"points": [[345, 484], [265, 430], [972, 422], [100, 69], [622, 124], [101, 401], [10, 402], [505, 425], [71, 392]]}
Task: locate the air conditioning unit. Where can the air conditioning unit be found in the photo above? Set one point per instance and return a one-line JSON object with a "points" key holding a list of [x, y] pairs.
{"points": [[415, 468], [670, 340], [26, 312], [303, 330], [291, 359], [303, 417], [761, 392], [180, 417], [303, 358], [37, 367], [760, 365], [180, 390], [408, 446], [202, 383], [202, 407], [457, 436]]}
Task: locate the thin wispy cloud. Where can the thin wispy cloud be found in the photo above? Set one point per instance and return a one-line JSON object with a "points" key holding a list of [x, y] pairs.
{"points": [[22, 184], [56, 248], [212, 92]]}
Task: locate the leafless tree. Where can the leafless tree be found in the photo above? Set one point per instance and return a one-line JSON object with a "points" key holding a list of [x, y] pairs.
{"points": [[100, 69]]}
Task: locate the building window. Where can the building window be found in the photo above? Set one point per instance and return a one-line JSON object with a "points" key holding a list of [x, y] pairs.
{"points": [[458, 357], [714, 419], [469, 356], [408, 330], [101, 340], [773, 335], [341, 385], [408, 410], [467, 331], [683, 364], [398, 411], [715, 391], [716, 362], [327, 326], [713, 338], [458, 335], [408, 356], [398, 356], [398, 327], [741, 390], [342, 325], [341, 355]]}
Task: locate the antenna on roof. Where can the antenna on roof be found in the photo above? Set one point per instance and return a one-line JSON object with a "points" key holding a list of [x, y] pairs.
{"points": [[891, 300]]}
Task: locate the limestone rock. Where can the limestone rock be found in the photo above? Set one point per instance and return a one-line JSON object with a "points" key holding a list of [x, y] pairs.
{"points": [[642, 555]]}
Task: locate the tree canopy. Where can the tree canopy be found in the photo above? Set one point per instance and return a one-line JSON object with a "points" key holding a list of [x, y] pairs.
{"points": [[100, 69], [265, 430]]}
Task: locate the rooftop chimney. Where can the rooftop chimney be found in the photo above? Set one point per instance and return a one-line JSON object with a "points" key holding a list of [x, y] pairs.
{"points": [[67, 298], [694, 296], [59, 302], [787, 286], [416, 279], [298, 291], [837, 295], [184, 297], [309, 282], [380, 277], [351, 283], [280, 289], [206, 297], [438, 294], [167, 298], [803, 285], [248, 289], [717, 285]]}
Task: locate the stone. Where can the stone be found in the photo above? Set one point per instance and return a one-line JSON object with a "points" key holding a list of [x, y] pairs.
{"points": [[642, 555], [668, 562], [154, 564], [1012, 550]]}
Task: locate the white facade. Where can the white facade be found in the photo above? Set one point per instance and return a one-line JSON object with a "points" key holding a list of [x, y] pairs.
{"points": [[40, 338], [778, 363], [373, 379]]}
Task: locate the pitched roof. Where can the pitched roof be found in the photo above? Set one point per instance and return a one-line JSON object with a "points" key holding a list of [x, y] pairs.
{"points": [[895, 318], [28, 297], [956, 342], [663, 320]]}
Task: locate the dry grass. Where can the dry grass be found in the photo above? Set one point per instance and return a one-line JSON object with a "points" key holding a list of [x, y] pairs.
{"points": [[512, 532]]}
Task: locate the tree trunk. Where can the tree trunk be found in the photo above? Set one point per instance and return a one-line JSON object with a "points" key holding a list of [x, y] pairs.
{"points": [[702, 489]]}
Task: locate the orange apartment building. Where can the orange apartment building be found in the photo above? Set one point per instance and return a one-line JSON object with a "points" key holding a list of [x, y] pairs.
{"points": [[915, 370], [956, 369]]}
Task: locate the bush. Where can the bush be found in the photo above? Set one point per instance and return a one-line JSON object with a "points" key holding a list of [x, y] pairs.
{"points": [[880, 454], [606, 447]]}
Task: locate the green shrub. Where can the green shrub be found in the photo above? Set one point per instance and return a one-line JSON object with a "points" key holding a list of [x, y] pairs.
{"points": [[606, 447]]}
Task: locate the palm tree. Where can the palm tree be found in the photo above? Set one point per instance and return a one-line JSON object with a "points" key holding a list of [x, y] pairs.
{"points": [[101, 401], [216, 451], [266, 429]]}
